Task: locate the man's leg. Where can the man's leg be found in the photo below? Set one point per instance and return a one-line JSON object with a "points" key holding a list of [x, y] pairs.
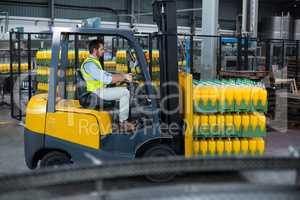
{"points": [[117, 93]]}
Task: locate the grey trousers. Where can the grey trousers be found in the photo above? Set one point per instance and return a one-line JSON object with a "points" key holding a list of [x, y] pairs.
{"points": [[117, 93]]}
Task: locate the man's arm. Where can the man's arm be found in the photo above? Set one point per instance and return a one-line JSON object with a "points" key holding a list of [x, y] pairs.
{"points": [[117, 78], [98, 74], [104, 76]]}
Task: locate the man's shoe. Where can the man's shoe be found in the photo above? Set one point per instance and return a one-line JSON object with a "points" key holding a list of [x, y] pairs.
{"points": [[127, 126]]}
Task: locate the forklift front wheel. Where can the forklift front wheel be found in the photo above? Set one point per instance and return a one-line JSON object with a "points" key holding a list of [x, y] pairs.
{"points": [[53, 159], [160, 150]]}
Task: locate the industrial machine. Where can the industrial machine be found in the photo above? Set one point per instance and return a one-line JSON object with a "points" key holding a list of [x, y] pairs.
{"points": [[62, 131]]}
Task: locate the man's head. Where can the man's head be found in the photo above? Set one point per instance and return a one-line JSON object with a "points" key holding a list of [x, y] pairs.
{"points": [[96, 48]]}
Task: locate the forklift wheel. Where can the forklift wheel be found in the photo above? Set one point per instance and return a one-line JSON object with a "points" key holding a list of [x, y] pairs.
{"points": [[54, 158], [160, 150]]}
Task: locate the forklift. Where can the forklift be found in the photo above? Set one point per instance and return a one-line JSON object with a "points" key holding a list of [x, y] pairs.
{"points": [[63, 131], [53, 133]]}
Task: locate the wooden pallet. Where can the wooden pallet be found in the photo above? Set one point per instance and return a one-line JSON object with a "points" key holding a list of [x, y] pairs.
{"points": [[292, 103], [292, 71], [253, 75]]}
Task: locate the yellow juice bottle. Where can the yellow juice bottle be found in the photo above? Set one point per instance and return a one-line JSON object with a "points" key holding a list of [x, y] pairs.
{"points": [[229, 92], [204, 96], [212, 147], [229, 124], [245, 123], [196, 96], [196, 124], [203, 147], [237, 120], [196, 145], [238, 97], [213, 95], [259, 98], [264, 95], [260, 145], [252, 146], [244, 146], [222, 95], [221, 123], [43, 55], [255, 96], [247, 97], [204, 125], [253, 121], [261, 120], [220, 147], [228, 146], [212, 120], [4, 68], [236, 146], [13, 68]]}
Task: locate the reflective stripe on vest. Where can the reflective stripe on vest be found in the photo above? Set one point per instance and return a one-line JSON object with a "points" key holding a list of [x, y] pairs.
{"points": [[91, 84]]}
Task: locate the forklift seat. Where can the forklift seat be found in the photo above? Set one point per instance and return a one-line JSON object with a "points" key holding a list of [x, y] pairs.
{"points": [[89, 99]]}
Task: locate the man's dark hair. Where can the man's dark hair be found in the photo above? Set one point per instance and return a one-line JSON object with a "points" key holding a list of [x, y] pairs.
{"points": [[95, 44]]}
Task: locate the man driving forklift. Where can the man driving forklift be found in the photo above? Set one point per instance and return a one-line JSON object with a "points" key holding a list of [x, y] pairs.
{"points": [[97, 79]]}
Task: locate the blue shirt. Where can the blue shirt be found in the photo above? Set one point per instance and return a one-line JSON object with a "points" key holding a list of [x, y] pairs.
{"points": [[97, 74]]}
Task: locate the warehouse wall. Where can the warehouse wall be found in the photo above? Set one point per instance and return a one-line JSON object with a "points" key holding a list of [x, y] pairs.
{"points": [[39, 8], [29, 8], [229, 9]]}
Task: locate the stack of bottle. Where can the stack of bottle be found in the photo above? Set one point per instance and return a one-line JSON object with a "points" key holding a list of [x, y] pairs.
{"points": [[5, 68], [110, 65], [229, 124], [43, 61], [229, 96], [155, 60], [229, 147], [121, 61], [229, 117]]}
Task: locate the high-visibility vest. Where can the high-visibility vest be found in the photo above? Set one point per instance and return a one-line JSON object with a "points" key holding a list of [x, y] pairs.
{"points": [[91, 83]]}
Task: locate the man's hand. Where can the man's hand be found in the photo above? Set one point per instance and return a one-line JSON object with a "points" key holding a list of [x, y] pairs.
{"points": [[118, 78], [128, 77]]}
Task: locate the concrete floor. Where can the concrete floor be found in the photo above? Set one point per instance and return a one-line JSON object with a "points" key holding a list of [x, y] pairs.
{"points": [[12, 154], [11, 145]]}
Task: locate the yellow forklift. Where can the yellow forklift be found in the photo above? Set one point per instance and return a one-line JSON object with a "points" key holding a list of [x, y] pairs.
{"points": [[61, 131]]}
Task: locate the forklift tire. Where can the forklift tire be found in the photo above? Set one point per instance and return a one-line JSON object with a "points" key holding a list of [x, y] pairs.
{"points": [[54, 159], [160, 150]]}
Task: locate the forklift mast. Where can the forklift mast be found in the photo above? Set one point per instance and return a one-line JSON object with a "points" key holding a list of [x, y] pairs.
{"points": [[164, 14]]}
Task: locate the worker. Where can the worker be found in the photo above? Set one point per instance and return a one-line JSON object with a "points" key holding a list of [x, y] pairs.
{"points": [[97, 79]]}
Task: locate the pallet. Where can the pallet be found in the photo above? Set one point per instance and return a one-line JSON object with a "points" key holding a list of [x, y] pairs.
{"points": [[293, 124], [253, 75], [292, 70], [293, 107]]}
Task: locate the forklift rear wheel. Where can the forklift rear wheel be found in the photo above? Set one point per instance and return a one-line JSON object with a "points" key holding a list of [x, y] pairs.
{"points": [[160, 151], [54, 158]]}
